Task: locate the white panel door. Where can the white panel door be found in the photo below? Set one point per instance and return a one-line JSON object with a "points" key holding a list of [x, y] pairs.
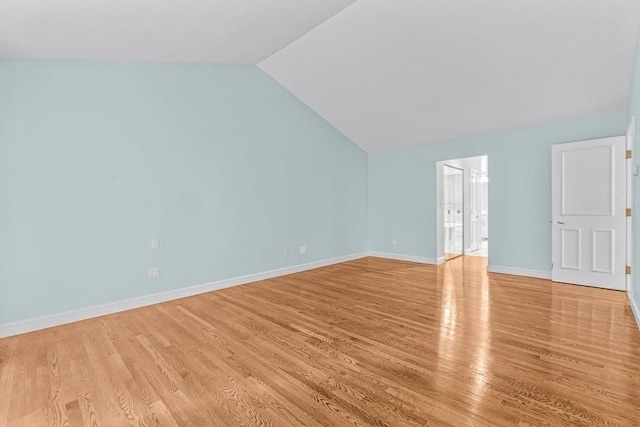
{"points": [[588, 213]]}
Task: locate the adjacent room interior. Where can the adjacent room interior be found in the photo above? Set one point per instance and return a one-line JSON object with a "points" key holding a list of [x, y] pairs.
{"points": [[225, 213], [453, 210], [463, 207]]}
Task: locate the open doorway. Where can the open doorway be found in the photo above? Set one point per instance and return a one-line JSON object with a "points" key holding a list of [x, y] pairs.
{"points": [[453, 197], [463, 208]]}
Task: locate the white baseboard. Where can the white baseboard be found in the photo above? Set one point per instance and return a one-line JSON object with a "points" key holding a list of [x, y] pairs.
{"points": [[30, 325], [441, 260], [399, 257], [538, 274], [635, 310]]}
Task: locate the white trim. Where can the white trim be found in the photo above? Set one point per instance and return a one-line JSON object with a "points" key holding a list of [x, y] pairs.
{"points": [[538, 274], [635, 310], [400, 257], [34, 324], [629, 193], [441, 260]]}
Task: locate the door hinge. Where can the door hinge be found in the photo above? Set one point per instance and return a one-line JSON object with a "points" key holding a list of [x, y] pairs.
{"points": [[627, 269], [628, 155], [628, 211]]}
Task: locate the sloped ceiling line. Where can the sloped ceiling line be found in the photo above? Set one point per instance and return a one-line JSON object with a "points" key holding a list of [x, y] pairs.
{"points": [[386, 73], [396, 73]]}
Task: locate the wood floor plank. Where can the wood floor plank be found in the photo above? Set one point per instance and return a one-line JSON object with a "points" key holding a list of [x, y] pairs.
{"points": [[367, 342]]}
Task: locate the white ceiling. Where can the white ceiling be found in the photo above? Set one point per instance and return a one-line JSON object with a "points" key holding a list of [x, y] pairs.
{"points": [[231, 31], [396, 73], [387, 73]]}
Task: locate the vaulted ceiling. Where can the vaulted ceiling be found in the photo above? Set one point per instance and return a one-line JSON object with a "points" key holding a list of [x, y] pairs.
{"points": [[218, 31], [386, 73], [392, 74]]}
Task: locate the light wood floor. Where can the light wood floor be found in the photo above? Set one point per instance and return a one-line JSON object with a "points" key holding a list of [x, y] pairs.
{"points": [[368, 342]]}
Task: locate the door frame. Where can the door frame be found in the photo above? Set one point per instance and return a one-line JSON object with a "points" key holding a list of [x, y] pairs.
{"points": [[438, 227], [629, 174]]}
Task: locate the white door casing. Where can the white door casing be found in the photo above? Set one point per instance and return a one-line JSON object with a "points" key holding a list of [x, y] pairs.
{"points": [[630, 138], [588, 213]]}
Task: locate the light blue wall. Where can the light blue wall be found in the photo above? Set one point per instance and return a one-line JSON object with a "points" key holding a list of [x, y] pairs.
{"points": [[402, 190], [227, 168], [221, 163], [634, 111]]}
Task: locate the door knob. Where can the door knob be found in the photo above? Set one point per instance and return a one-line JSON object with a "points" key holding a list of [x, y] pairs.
{"points": [[556, 222]]}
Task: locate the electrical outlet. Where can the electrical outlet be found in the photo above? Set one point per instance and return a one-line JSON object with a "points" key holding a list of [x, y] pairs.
{"points": [[155, 243], [303, 250], [154, 273], [394, 242], [286, 253]]}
